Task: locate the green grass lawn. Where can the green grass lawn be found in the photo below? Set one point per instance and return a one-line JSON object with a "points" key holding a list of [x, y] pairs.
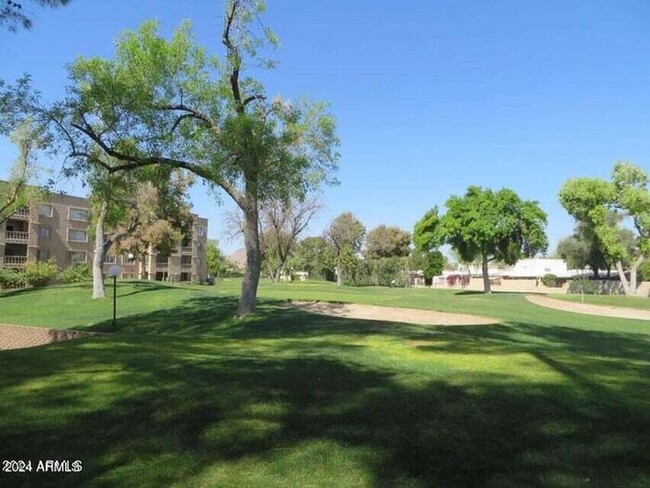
{"points": [[184, 394]]}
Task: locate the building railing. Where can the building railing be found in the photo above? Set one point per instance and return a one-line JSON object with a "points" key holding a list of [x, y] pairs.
{"points": [[186, 265], [21, 214], [14, 260], [186, 249], [15, 235], [162, 266]]}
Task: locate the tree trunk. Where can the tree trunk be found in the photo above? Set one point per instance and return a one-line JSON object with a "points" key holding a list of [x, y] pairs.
{"points": [[339, 275], [486, 277], [100, 254], [253, 264], [623, 278], [633, 271]]}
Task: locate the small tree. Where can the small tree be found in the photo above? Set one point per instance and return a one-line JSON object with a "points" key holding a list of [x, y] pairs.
{"points": [[426, 256], [345, 235], [281, 224], [487, 225], [591, 200], [315, 256], [135, 211], [386, 242], [216, 260], [17, 193]]}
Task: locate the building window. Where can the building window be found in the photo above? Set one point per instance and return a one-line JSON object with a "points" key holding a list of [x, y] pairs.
{"points": [[199, 230], [199, 246], [76, 256], [45, 210], [42, 255], [44, 232], [77, 235], [78, 214], [110, 259]]}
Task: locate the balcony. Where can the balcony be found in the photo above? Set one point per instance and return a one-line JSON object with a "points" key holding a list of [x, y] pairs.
{"points": [[186, 250], [186, 265], [22, 214], [16, 236], [14, 260]]}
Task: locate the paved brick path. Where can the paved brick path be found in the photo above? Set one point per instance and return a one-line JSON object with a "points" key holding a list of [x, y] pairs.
{"points": [[18, 337]]}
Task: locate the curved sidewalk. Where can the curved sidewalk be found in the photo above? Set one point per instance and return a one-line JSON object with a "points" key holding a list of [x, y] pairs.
{"points": [[19, 336], [588, 309]]}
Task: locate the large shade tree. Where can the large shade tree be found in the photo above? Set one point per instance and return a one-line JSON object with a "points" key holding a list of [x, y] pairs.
{"points": [[591, 201], [168, 102], [490, 226]]}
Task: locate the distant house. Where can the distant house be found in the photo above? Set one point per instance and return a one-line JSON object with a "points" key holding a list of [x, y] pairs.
{"points": [[537, 267]]}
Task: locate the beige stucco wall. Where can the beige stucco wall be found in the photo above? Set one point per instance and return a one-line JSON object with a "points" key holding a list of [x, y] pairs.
{"points": [[608, 287]]}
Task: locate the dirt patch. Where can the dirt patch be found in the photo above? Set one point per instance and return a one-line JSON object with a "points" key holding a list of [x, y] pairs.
{"points": [[392, 314], [588, 309], [19, 337]]}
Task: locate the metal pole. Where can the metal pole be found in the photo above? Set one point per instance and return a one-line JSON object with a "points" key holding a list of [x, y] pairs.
{"points": [[114, 301]]}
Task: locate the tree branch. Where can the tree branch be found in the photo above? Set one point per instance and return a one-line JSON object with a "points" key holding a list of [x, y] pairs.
{"points": [[234, 57], [135, 162], [191, 112]]}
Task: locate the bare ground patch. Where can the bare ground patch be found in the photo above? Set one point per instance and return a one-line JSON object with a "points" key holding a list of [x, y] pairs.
{"points": [[19, 337], [586, 308], [392, 314]]}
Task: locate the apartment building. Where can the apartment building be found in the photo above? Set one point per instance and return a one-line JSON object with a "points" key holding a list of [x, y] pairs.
{"points": [[58, 228]]}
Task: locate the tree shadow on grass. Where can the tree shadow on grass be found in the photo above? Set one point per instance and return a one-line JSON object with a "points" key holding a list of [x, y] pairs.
{"points": [[156, 413], [180, 393]]}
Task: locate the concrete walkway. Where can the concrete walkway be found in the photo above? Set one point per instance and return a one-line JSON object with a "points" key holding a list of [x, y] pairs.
{"points": [[585, 308]]}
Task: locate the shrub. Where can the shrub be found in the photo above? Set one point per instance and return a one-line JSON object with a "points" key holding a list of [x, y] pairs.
{"points": [[40, 274], [75, 273], [551, 280], [582, 284], [10, 278], [380, 272]]}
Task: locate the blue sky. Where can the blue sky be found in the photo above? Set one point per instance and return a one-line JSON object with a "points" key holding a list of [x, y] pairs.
{"points": [[430, 96]]}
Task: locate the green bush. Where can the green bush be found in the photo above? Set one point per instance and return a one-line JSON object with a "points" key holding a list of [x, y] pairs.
{"points": [[551, 280], [10, 278], [582, 284], [75, 273], [380, 272], [40, 274]]}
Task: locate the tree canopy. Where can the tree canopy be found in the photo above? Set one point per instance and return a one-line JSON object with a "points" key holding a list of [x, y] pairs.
{"points": [[386, 241], [345, 235], [486, 224], [170, 102], [591, 200], [18, 191]]}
